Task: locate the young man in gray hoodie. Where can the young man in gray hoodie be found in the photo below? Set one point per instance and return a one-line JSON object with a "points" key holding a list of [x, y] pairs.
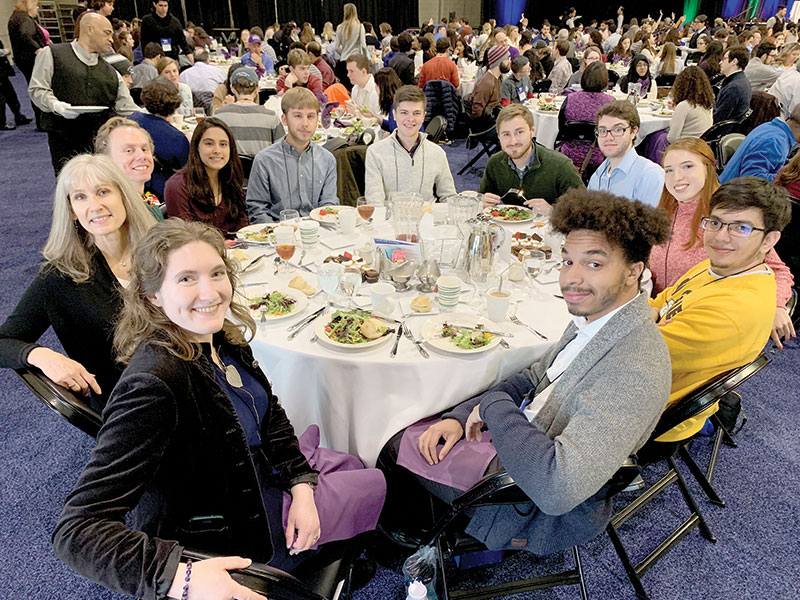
{"points": [[406, 161]]}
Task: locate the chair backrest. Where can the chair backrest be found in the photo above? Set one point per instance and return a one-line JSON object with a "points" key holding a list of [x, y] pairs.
{"points": [[728, 145], [702, 398], [163, 169], [575, 131], [542, 86], [69, 405], [436, 128], [666, 80], [247, 165]]}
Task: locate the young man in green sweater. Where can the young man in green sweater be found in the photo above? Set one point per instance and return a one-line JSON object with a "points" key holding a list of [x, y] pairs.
{"points": [[540, 173]]}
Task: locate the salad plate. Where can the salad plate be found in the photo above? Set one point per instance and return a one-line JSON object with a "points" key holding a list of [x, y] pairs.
{"points": [[346, 325], [508, 214], [326, 214], [258, 232], [459, 341], [279, 304]]}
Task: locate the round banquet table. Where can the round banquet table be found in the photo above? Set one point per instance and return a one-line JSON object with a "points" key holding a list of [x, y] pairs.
{"points": [[361, 397], [546, 124]]}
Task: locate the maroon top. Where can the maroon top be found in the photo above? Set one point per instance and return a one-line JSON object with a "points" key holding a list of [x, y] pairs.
{"points": [[179, 205]]}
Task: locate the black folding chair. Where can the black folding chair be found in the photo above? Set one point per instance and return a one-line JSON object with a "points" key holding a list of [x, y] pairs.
{"points": [[71, 406], [715, 133], [481, 131], [436, 128], [495, 489], [690, 406]]}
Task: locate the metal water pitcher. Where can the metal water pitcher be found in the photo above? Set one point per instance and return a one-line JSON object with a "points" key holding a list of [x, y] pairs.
{"points": [[479, 246]]}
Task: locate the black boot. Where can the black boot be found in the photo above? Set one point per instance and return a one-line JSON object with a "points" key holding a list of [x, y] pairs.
{"points": [[21, 119]]}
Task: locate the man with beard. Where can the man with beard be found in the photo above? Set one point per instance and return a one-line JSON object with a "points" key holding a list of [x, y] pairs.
{"points": [[486, 95], [624, 172], [719, 315], [562, 427], [540, 173]]}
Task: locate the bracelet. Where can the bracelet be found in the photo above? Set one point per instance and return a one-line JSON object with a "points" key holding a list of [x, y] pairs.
{"points": [[185, 593]]}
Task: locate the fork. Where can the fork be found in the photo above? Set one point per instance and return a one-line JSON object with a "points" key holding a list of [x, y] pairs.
{"points": [[514, 319]]}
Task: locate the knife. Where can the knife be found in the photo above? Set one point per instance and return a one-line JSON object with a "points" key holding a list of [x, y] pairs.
{"points": [[308, 319], [252, 263], [410, 336], [477, 329], [393, 353], [293, 335]]}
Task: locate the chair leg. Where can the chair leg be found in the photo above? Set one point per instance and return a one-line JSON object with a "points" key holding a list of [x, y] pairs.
{"points": [[689, 499], [700, 477], [626, 563], [579, 568], [440, 559], [726, 435]]}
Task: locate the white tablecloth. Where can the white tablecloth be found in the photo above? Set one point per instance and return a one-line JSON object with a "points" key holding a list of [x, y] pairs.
{"points": [[547, 126], [360, 399]]}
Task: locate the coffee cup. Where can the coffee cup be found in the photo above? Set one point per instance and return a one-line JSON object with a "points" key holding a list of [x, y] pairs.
{"points": [[284, 234], [448, 291], [177, 118], [497, 305], [346, 219], [382, 295], [309, 233]]}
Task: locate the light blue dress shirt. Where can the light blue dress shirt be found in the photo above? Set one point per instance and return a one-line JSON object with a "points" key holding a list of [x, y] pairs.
{"points": [[635, 178]]}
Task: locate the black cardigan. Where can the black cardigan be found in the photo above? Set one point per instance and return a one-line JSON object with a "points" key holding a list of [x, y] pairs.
{"points": [[171, 450], [81, 314]]}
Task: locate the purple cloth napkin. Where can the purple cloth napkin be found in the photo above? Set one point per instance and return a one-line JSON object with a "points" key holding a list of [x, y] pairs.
{"points": [[349, 497], [463, 466]]}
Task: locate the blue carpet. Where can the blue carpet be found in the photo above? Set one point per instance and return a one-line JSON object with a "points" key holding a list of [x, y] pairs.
{"points": [[755, 556]]}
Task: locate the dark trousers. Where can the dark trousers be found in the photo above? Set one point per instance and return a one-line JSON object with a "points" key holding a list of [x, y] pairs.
{"points": [[64, 146], [341, 72], [8, 96]]}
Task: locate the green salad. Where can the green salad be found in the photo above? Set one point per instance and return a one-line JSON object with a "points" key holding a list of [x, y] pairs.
{"points": [[355, 327], [465, 338], [262, 235], [510, 213], [274, 303]]}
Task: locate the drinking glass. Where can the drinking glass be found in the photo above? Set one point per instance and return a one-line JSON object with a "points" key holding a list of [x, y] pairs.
{"points": [[365, 210], [199, 113], [284, 246], [479, 271], [289, 215], [350, 281], [532, 265], [328, 275]]}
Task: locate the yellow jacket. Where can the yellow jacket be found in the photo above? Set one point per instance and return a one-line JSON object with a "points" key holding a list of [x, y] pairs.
{"points": [[712, 324]]}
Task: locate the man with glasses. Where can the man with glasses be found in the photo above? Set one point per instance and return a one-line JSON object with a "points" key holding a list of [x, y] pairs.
{"points": [[733, 99], [759, 71], [624, 172], [719, 315], [765, 149]]}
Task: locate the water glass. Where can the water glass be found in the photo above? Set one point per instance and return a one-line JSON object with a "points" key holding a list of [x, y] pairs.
{"points": [[350, 282], [346, 218], [328, 275], [288, 215]]}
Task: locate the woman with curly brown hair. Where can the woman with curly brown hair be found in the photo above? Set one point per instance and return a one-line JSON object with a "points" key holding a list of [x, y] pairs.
{"points": [[693, 99], [209, 187], [690, 179]]}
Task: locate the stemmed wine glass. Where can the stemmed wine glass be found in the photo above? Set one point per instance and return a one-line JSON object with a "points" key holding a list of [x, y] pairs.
{"points": [[479, 271], [289, 215], [350, 282], [365, 210], [532, 264], [328, 275], [284, 246]]}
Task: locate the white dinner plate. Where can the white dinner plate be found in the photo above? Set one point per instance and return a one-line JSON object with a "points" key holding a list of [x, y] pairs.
{"points": [[432, 329], [300, 301], [329, 217], [488, 212], [255, 228], [88, 109], [322, 323], [246, 256]]}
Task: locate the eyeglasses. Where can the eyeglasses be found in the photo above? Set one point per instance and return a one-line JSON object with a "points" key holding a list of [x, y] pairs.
{"points": [[741, 230], [614, 131]]}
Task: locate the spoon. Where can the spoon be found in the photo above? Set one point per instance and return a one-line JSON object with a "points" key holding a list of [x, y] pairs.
{"points": [[277, 264]]}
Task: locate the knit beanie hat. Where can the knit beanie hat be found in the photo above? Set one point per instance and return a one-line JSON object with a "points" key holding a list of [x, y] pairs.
{"points": [[495, 55]]}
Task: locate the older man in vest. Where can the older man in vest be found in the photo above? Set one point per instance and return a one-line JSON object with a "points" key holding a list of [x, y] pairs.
{"points": [[77, 90]]}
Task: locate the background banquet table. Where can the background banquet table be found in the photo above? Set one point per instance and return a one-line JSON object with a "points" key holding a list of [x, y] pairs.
{"points": [[360, 398], [546, 124]]}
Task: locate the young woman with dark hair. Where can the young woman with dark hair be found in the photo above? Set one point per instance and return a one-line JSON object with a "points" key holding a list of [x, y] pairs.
{"points": [[209, 187]]}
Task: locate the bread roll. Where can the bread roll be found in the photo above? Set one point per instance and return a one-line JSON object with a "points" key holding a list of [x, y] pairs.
{"points": [[421, 304], [302, 285]]}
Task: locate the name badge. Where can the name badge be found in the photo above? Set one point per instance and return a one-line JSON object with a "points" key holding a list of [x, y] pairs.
{"points": [[521, 94], [166, 44]]}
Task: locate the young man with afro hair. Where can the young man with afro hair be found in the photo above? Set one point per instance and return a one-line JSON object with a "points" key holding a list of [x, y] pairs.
{"points": [[562, 427]]}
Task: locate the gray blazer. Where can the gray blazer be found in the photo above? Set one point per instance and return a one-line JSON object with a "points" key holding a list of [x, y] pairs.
{"points": [[601, 410]]}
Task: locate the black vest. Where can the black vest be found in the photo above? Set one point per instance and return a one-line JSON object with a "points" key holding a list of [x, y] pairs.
{"points": [[80, 85]]}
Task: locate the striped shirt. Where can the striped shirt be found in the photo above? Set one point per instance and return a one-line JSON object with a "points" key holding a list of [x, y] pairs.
{"points": [[254, 127]]}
